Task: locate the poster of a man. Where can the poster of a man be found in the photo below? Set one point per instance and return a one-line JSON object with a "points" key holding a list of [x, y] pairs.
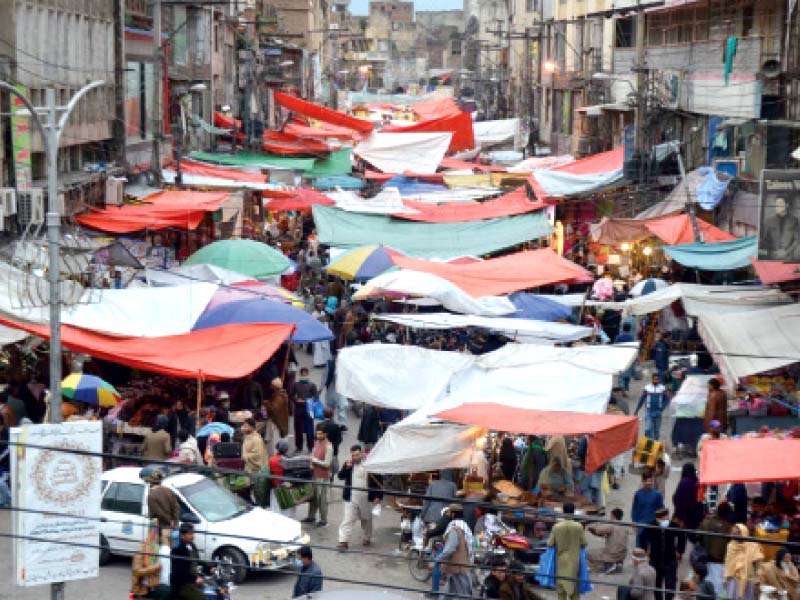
{"points": [[779, 232]]}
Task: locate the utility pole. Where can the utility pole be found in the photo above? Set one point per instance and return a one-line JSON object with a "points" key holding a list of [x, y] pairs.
{"points": [[691, 205], [333, 99], [641, 85], [158, 92], [528, 78], [51, 135]]}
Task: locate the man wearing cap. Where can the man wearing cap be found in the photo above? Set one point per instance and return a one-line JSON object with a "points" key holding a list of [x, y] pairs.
{"points": [[184, 577], [163, 506], [568, 537], [254, 452], [457, 554], [644, 576], [666, 546]]}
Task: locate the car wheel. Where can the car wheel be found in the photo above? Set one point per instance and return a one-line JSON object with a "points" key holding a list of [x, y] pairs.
{"points": [[232, 564], [105, 551]]}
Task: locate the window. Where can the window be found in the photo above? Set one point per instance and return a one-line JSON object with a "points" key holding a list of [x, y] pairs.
{"points": [[124, 498], [624, 37], [532, 5]]}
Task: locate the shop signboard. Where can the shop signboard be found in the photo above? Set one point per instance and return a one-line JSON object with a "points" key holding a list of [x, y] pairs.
{"points": [[21, 140], [779, 216], [57, 493]]}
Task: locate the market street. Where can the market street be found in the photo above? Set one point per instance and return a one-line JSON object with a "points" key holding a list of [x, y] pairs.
{"points": [[114, 578]]}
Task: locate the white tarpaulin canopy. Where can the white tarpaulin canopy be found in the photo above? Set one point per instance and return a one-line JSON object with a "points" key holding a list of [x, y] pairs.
{"points": [[738, 340], [25, 296], [690, 400], [186, 274], [416, 283], [699, 300], [409, 378], [142, 312], [405, 152], [488, 133], [416, 448], [217, 182], [386, 202], [515, 328], [381, 374]]}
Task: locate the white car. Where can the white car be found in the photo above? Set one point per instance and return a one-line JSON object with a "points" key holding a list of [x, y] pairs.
{"points": [[219, 517]]}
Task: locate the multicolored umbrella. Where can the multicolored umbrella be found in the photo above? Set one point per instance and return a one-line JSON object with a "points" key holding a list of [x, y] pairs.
{"points": [[90, 390], [361, 264]]}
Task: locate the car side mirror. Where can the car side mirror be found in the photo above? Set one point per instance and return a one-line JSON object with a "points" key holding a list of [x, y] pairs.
{"points": [[190, 517]]}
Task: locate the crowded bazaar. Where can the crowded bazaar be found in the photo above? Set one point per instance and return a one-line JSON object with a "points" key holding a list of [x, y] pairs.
{"points": [[391, 346]]}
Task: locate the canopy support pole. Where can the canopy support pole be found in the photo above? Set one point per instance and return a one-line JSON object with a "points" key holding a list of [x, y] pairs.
{"points": [[286, 363], [199, 397]]}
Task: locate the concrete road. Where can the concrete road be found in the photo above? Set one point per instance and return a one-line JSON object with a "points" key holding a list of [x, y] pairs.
{"points": [[391, 569]]}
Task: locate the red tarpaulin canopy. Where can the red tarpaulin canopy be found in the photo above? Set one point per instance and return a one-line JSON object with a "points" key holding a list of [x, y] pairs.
{"points": [[746, 460], [513, 203], [218, 353], [503, 275], [609, 435], [300, 199], [278, 142], [459, 124], [206, 170], [181, 209], [678, 230], [225, 122], [771, 272], [322, 130], [436, 109], [322, 113]]}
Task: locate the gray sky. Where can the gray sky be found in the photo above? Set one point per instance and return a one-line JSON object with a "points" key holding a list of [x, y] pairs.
{"points": [[361, 7]]}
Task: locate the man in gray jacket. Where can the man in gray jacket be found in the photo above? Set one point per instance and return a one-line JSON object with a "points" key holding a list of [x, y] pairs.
{"points": [[644, 576]]}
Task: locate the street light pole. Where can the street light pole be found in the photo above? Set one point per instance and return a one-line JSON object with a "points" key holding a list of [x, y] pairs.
{"points": [[51, 135]]}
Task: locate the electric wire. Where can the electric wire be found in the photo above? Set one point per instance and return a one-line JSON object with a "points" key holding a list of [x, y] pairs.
{"points": [[544, 514]]}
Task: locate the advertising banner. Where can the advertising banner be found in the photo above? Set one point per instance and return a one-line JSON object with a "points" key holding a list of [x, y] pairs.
{"points": [[21, 141], [779, 216], [58, 496]]}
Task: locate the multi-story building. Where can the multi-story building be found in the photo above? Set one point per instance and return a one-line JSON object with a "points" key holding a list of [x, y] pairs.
{"points": [[718, 78], [62, 45], [720, 75], [485, 57], [440, 35]]}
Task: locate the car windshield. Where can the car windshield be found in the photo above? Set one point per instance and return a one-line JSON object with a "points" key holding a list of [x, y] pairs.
{"points": [[213, 502]]}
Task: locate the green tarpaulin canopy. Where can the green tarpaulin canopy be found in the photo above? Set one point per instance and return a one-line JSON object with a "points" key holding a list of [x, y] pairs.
{"points": [[338, 163], [720, 256], [347, 230]]}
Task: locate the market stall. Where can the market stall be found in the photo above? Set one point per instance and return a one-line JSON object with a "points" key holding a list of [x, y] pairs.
{"points": [[767, 371]]}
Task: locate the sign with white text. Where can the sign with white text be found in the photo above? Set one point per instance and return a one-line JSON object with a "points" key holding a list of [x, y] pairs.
{"points": [[58, 496]]}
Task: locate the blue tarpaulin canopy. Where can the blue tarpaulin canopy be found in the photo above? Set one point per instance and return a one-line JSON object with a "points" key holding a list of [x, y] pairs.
{"points": [[531, 306], [343, 182], [409, 186], [720, 256]]}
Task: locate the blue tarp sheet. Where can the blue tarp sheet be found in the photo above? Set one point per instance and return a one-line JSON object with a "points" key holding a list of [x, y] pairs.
{"points": [[720, 256], [331, 182], [408, 186], [531, 306]]}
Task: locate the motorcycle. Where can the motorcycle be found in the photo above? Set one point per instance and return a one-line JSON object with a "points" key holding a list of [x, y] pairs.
{"points": [[218, 584]]}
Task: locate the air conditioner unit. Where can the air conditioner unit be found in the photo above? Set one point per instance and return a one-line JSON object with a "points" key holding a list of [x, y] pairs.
{"points": [[30, 207], [8, 201]]}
